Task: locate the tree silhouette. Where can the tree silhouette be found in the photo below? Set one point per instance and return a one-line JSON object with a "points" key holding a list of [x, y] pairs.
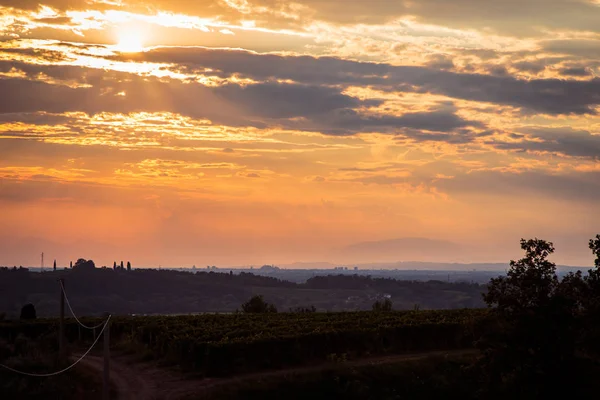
{"points": [[71, 264], [121, 267], [84, 265], [128, 266], [115, 265], [595, 247], [54, 267], [532, 339], [28, 312], [258, 305], [385, 305]]}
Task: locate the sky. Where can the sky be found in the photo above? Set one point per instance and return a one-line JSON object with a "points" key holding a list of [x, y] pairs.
{"points": [[238, 132]]}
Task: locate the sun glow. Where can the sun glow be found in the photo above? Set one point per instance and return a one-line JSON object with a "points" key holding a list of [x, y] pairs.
{"points": [[130, 42]]}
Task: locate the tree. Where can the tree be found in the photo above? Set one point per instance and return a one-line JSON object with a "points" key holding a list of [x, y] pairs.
{"points": [[121, 267], [385, 305], [54, 265], [589, 297], [532, 336], [258, 305], [28, 312], [595, 247], [128, 266], [115, 265], [71, 264], [84, 265]]}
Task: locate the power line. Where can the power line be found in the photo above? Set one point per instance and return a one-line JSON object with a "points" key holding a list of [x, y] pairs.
{"points": [[62, 287], [62, 370]]}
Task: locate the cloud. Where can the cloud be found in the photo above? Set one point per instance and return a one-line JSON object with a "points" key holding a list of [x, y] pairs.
{"points": [[346, 121], [321, 108], [548, 96], [575, 71], [580, 187], [565, 141], [589, 48], [231, 104]]}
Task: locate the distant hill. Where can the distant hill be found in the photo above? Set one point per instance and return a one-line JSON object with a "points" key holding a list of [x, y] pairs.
{"points": [[411, 248], [417, 266]]}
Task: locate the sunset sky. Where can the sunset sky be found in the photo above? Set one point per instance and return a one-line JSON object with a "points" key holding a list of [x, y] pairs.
{"points": [[230, 132]]}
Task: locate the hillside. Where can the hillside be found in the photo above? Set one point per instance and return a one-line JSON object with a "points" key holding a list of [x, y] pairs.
{"points": [[173, 292]]}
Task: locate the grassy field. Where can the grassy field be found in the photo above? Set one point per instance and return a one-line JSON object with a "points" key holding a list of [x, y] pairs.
{"points": [[222, 344]]}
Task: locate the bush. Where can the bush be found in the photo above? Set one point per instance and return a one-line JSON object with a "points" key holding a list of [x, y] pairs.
{"points": [[385, 305], [258, 305]]}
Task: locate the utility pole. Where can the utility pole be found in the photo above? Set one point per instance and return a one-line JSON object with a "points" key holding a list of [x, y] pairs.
{"points": [[106, 376], [61, 331]]}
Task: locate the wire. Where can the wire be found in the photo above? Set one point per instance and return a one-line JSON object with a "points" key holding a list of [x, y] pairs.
{"points": [[73, 313], [62, 370]]}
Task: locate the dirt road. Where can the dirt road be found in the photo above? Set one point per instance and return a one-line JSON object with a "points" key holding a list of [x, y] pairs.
{"points": [[144, 381]]}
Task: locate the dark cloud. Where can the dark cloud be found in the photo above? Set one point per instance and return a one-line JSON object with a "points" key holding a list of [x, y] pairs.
{"points": [[498, 70], [348, 121], [534, 67], [574, 71], [565, 141], [274, 100], [297, 106], [41, 54], [549, 96], [229, 104]]}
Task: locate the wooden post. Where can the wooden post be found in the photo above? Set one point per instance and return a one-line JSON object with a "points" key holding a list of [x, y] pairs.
{"points": [[61, 330], [106, 377]]}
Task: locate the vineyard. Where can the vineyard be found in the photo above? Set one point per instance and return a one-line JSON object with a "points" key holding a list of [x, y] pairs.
{"points": [[220, 344]]}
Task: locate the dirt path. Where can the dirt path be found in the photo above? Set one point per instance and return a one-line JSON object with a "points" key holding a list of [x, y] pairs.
{"points": [[144, 381]]}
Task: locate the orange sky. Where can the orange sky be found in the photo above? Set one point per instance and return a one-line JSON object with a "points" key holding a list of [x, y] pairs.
{"points": [[232, 132]]}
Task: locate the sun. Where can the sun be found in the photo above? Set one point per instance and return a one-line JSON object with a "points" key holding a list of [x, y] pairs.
{"points": [[130, 42]]}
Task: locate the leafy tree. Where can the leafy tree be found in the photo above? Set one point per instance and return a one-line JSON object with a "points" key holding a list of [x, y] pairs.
{"points": [[385, 305], [128, 266], [589, 296], [84, 265], [258, 305], [595, 247], [28, 312], [532, 339]]}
